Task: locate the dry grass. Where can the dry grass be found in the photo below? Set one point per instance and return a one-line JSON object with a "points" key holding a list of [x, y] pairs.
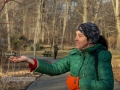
{"points": [[116, 69], [15, 70], [116, 64]]}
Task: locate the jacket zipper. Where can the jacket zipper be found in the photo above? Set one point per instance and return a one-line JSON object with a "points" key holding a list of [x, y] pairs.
{"points": [[85, 67], [81, 65]]}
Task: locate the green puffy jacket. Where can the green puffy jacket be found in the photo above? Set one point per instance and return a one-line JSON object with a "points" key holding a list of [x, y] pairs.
{"points": [[82, 64]]}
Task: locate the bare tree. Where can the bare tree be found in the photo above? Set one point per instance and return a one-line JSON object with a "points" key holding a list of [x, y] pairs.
{"points": [[38, 28], [64, 25], [97, 10], [55, 21], [85, 15], [24, 20], [8, 28], [42, 20], [116, 7]]}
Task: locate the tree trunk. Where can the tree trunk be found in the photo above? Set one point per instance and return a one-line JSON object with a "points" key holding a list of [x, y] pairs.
{"points": [[97, 10], [64, 26], [85, 11], [8, 28], [24, 19], [116, 7], [42, 20], [38, 28], [118, 22], [54, 20]]}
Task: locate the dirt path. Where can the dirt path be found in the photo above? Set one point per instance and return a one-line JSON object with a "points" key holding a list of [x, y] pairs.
{"points": [[49, 83]]}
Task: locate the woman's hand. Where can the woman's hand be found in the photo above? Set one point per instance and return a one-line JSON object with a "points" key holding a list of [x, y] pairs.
{"points": [[22, 59], [19, 59]]}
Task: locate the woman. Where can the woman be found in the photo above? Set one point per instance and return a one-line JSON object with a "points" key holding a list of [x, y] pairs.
{"points": [[81, 62]]}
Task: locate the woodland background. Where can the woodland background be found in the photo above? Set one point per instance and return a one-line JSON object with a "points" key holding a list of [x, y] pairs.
{"points": [[35, 22]]}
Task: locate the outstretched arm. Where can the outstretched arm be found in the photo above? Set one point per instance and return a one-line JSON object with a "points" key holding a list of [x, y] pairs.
{"points": [[60, 67], [57, 68]]}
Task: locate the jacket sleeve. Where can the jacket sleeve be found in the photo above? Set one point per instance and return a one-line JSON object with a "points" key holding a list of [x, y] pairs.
{"points": [[60, 67], [105, 74]]}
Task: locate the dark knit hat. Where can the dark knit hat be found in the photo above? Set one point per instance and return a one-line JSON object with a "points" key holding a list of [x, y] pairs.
{"points": [[90, 30]]}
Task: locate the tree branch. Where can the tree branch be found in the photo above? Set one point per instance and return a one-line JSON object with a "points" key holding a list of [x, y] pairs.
{"points": [[74, 9]]}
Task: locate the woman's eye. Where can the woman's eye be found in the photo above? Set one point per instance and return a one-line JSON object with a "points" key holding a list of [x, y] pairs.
{"points": [[80, 35]]}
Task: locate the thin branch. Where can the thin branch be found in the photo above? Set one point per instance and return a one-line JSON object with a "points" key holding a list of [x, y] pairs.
{"points": [[14, 1], [2, 6], [74, 8], [114, 6], [18, 2], [102, 17], [97, 10]]}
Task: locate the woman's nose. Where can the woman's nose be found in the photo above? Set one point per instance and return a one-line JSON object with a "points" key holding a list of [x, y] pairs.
{"points": [[76, 38]]}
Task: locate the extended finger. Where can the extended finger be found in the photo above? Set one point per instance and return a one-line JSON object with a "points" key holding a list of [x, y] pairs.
{"points": [[13, 59]]}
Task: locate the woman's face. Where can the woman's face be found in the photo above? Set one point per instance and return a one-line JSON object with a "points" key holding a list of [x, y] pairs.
{"points": [[81, 40]]}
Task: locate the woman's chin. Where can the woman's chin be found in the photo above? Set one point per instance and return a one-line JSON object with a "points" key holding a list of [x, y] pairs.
{"points": [[77, 47]]}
